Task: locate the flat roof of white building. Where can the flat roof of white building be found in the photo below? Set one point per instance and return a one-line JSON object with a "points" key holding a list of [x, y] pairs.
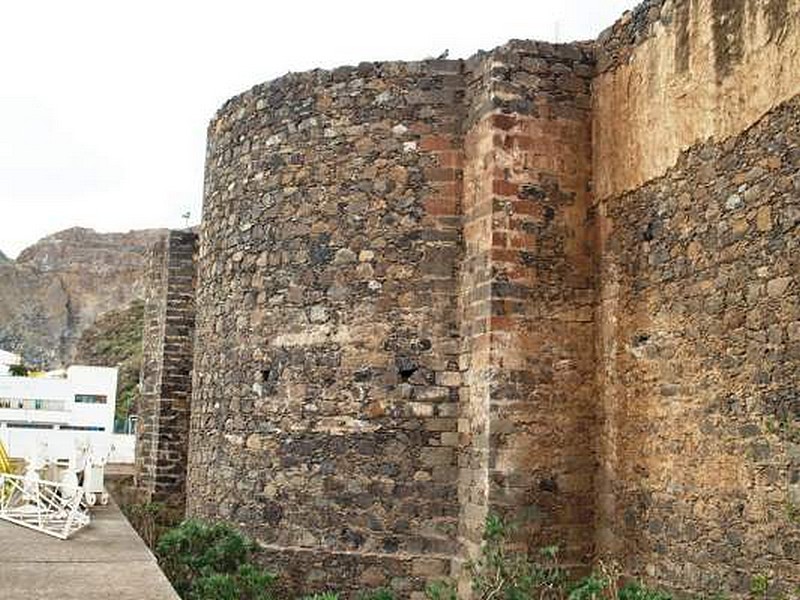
{"points": [[9, 358]]}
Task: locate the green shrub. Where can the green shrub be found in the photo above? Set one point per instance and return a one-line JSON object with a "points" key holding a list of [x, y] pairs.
{"points": [[322, 596], [759, 585], [379, 594], [501, 573], [218, 587], [18, 370], [441, 590], [248, 583], [593, 587], [600, 584], [636, 591], [212, 562]]}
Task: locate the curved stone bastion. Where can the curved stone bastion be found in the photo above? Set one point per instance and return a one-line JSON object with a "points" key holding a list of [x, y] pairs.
{"points": [[345, 302], [328, 354], [412, 308]]}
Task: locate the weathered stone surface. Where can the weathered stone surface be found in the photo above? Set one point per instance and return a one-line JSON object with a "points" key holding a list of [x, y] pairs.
{"points": [[695, 486], [162, 435], [673, 73], [327, 336], [527, 288]]}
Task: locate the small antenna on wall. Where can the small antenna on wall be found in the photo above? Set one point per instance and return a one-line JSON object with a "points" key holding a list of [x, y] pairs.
{"points": [[185, 216]]}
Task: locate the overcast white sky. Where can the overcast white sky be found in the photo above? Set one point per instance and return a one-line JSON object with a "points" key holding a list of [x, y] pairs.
{"points": [[104, 104]]}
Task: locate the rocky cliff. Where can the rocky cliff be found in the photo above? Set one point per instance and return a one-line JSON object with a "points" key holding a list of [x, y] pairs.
{"points": [[57, 288]]}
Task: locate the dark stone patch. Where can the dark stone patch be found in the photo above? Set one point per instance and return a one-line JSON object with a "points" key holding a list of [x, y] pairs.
{"points": [[406, 367], [531, 192], [319, 251], [682, 37], [727, 25], [548, 484], [650, 231], [777, 13]]}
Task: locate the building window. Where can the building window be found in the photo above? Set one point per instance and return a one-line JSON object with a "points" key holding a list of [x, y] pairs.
{"points": [[90, 399], [32, 404], [82, 428]]}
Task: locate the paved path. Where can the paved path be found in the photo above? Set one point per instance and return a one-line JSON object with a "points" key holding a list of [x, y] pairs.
{"points": [[104, 561]]}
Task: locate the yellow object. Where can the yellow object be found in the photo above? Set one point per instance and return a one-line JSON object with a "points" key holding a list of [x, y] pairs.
{"points": [[5, 467], [5, 461]]}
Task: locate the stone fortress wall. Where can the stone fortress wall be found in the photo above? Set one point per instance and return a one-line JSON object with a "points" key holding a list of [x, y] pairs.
{"points": [[162, 427], [327, 357], [557, 282], [697, 171]]}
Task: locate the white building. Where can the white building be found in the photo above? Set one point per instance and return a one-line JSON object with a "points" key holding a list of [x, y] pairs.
{"points": [[7, 360], [59, 409]]}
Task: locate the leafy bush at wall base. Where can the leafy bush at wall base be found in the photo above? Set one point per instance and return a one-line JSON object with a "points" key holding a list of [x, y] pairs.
{"points": [[205, 561], [248, 583], [151, 520], [441, 590], [500, 574], [378, 594], [635, 591]]}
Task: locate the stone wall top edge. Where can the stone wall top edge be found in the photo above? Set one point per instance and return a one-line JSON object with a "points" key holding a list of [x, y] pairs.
{"points": [[578, 50], [614, 44], [184, 234]]}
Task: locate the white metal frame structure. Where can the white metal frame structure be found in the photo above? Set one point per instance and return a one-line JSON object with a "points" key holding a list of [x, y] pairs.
{"points": [[44, 506]]}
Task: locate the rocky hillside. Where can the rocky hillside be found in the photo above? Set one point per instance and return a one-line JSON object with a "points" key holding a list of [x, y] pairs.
{"points": [[58, 287], [3, 258], [115, 340]]}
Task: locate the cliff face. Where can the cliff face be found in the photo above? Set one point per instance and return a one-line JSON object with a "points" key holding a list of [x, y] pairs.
{"points": [[57, 288]]}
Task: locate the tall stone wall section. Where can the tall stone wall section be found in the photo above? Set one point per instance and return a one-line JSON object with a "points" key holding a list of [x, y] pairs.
{"points": [[162, 434], [525, 283], [700, 334], [528, 296], [378, 243], [152, 357], [327, 374], [697, 176]]}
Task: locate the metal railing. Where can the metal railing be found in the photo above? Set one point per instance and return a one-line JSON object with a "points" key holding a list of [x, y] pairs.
{"points": [[52, 508]]}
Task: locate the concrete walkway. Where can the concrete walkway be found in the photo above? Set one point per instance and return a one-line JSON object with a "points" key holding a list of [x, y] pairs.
{"points": [[105, 561]]}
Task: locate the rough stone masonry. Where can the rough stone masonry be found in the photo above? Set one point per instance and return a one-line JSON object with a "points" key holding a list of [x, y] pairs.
{"points": [[557, 282], [162, 428]]}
